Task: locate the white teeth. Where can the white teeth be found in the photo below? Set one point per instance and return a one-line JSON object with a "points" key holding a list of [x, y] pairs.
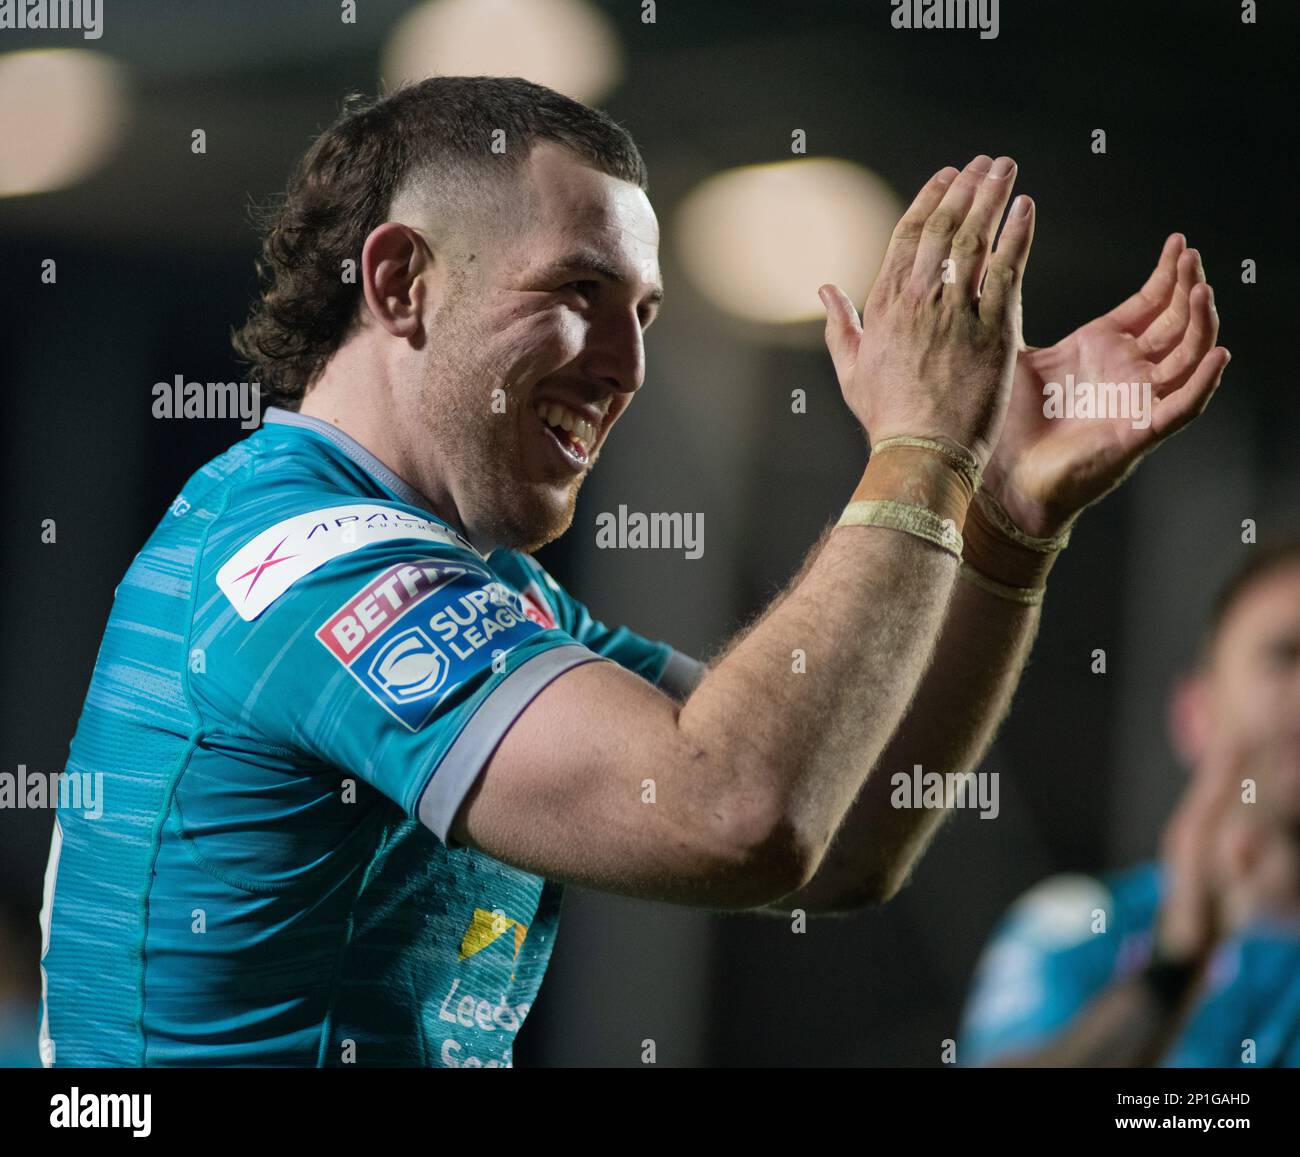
{"points": [[555, 415]]}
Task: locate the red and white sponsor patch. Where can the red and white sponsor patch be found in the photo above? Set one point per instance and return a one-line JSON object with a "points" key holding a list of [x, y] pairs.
{"points": [[378, 604], [536, 607]]}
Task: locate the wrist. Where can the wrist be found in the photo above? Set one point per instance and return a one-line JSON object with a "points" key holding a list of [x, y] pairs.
{"points": [[936, 473], [998, 555], [921, 486], [1170, 978], [1041, 519], [1185, 928]]}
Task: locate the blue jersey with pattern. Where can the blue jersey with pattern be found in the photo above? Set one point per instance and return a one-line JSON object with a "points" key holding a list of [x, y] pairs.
{"points": [[303, 673], [1050, 957]]}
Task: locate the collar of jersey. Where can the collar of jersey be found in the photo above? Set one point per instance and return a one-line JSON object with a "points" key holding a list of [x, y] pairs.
{"points": [[362, 457]]}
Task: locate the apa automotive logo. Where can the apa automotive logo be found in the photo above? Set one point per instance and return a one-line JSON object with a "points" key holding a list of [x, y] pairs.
{"points": [[268, 565], [409, 650]]}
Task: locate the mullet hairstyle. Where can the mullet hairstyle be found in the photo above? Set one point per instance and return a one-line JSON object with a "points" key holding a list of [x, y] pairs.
{"points": [[441, 130]]}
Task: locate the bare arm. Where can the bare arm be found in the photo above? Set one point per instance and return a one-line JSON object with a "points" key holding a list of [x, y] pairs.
{"points": [[1043, 472], [965, 694], [726, 800], [731, 799]]}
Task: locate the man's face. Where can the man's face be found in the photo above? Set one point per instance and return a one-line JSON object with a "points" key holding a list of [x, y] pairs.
{"points": [[1253, 682], [531, 362]]}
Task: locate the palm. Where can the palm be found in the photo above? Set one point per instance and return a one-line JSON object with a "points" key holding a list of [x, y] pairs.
{"points": [[1063, 458], [1047, 468]]}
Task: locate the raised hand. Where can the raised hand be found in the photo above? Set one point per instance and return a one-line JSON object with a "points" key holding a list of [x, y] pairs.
{"points": [[1191, 919], [1046, 468], [932, 355]]}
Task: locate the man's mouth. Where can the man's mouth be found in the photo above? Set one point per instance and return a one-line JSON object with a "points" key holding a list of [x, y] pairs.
{"points": [[574, 434]]}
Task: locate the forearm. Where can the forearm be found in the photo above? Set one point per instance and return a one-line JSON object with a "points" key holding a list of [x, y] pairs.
{"points": [[804, 704], [964, 695], [1127, 1026], [823, 677]]}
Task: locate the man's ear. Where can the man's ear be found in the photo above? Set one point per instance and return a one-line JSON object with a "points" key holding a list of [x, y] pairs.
{"points": [[1189, 718], [391, 260]]}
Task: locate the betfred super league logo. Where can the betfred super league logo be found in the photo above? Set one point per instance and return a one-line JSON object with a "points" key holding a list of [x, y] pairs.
{"points": [[409, 667], [420, 630], [404, 669]]}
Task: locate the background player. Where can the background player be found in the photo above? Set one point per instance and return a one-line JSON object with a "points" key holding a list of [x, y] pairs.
{"points": [[1198, 962]]}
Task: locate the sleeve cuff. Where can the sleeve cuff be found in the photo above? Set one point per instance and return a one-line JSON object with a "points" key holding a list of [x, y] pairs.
{"points": [[680, 675], [460, 765]]}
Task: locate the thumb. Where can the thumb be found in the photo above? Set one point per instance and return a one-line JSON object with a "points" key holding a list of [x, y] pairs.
{"points": [[843, 328]]}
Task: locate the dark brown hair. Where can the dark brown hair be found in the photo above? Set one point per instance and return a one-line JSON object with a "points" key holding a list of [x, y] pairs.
{"points": [[1261, 560], [343, 188]]}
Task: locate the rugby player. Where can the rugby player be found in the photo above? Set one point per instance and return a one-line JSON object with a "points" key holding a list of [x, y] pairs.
{"points": [[355, 740], [1198, 961]]}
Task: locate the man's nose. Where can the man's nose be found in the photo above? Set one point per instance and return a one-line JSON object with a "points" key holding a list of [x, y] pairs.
{"points": [[615, 354]]}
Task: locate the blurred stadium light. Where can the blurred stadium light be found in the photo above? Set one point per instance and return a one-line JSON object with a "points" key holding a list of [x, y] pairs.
{"points": [[62, 115], [567, 45], [758, 241]]}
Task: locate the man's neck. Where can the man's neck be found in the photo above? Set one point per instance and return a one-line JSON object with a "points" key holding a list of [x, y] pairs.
{"points": [[370, 428]]}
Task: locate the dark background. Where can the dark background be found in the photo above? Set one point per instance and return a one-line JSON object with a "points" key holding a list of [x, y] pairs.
{"points": [[154, 260]]}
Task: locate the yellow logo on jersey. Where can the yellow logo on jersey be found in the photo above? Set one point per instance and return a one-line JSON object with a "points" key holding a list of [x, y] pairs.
{"points": [[487, 927]]}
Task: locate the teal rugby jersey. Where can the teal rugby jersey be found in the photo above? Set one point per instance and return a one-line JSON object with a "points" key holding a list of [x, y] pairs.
{"points": [[1045, 963], [302, 675]]}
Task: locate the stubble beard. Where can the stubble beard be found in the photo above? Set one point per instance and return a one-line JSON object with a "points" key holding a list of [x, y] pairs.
{"points": [[519, 514], [480, 445]]}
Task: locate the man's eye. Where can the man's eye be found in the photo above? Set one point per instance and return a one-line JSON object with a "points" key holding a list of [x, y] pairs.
{"points": [[583, 287], [1284, 654]]}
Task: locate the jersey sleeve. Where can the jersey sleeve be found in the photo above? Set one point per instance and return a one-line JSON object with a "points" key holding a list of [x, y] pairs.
{"points": [[403, 663], [1044, 962], [675, 672]]}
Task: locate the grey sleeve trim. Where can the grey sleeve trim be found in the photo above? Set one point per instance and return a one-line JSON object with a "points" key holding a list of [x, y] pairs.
{"points": [[457, 770], [680, 675], [354, 450]]}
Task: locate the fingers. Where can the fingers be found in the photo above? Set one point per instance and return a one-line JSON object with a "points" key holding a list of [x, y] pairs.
{"points": [[1163, 334], [900, 256], [973, 242], [1006, 272], [1201, 333], [1140, 310], [843, 328], [935, 244], [1210, 788], [1176, 409]]}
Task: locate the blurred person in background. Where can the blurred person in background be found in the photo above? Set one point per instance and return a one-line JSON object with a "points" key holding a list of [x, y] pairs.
{"points": [[1194, 960], [19, 988]]}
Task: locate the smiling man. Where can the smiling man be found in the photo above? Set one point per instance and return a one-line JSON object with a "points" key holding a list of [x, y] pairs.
{"points": [[355, 740]]}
